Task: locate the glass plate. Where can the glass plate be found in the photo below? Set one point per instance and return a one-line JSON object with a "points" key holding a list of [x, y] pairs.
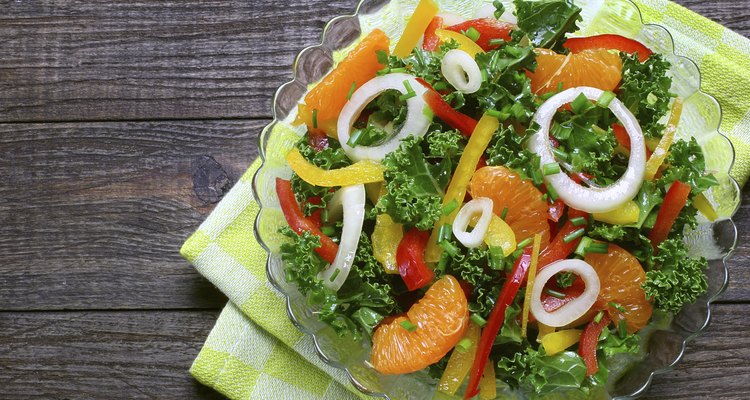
{"points": [[701, 116]]}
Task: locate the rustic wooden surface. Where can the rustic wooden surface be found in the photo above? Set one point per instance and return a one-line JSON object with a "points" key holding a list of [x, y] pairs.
{"points": [[109, 111]]}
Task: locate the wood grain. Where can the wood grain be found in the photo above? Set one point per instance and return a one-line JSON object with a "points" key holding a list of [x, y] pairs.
{"points": [[144, 60], [93, 215], [102, 355]]}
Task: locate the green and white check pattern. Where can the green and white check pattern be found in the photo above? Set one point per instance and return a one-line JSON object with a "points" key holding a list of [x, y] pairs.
{"points": [[254, 352]]}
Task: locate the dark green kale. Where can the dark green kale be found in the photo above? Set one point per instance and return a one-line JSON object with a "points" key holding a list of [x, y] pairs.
{"points": [[687, 164], [420, 63], [473, 267], [540, 373], [330, 158], [644, 90], [414, 191], [365, 297], [547, 21], [508, 148], [677, 279]]}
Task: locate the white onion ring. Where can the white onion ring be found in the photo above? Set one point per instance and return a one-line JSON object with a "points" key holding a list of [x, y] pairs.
{"points": [[461, 71], [481, 206], [592, 200], [350, 199], [488, 11], [450, 19], [574, 309], [416, 123]]}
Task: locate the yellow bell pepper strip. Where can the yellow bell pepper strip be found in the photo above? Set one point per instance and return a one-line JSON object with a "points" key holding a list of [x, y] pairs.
{"points": [[423, 14], [661, 151], [704, 206], [556, 342], [500, 234], [461, 360], [365, 171], [464, 43], [488, 385], [385, 239], [544, 330], [530, 283], [627, 213], [456, 191]]}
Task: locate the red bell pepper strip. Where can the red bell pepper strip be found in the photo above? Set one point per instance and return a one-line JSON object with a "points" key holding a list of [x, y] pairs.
{"points": [[674, 201], [557, 249], [299, 223], [621, 135], [410, 259], [497, 317], [431, 41], [611, 42], [456, 120], [552, 303], [488, 29], [589, 342]]}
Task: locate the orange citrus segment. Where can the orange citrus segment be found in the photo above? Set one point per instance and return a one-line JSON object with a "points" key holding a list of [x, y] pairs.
{"points": [[621, 277], [597, 68], [527, 211], [329, 96], [440, 317]]}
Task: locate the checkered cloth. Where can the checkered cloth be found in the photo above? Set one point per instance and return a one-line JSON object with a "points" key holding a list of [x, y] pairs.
{"points": [[255, 352]]}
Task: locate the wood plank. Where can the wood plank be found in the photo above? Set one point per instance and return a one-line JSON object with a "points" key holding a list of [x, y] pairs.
{"points": [[143, 354], [92, 215], [730, 13], [102, 355], [140, 60]]}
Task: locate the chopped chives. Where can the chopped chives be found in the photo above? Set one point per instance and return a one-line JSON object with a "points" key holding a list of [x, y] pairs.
{"points": [[578, 221], [545, 197], [464, 345], [574, 235], [599, 317], [518, 110], [334, 274], [513, 51], [407, 96], [497, 42], [504, 213], [581, 249], [445, 232], [355, 137], [555, 293], [623, 328], [605, 99], [324, 215], [351, 91], [471, 33], [327, 230], [449, 247], [552, 193], [406, 324], [500, 115], [517, 254], [496, 257], [560, 154], [407, 85], [524, 243], [617, 306], [440, 86], [478, 320], [450, 207], [580, 104], [443, 262], [315, 118], [398, 70], [597, 247], [551, 169], [599, 131]]}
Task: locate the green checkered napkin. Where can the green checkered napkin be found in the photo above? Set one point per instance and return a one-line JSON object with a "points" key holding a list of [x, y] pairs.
{"points": [[255, 352]]}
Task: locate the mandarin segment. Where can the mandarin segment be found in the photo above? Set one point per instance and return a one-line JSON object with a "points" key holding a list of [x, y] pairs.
{"points": [[440, 317], [597, 68], [621, 277], [527, 211]]}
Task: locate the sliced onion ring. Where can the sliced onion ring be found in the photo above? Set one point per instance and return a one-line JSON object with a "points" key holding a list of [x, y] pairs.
{"points": [[481, 206], [416, 122], [574, 309], [450, 19], [350, 199], [592, 200], [461, 71]]}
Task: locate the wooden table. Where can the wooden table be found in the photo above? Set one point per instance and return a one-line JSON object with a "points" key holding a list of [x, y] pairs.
{"points": [[109, 113]]}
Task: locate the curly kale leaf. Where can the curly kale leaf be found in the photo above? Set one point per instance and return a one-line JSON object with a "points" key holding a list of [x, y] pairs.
{"points": [[420, 63], [687, 164], [473, 267], [542, 373], [331, 157], [677, 279], [414, 191], [644, 90], [547, 21], [508, 148]]}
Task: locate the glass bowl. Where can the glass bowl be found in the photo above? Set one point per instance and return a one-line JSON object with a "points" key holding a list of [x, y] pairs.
{"points": [[664, 346]]}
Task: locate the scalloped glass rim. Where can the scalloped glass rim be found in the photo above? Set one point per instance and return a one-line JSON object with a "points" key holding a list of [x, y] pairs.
{"points": [[715, 241]]}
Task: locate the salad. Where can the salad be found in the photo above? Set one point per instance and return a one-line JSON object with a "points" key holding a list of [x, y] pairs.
{"points": [[494, 202]]}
